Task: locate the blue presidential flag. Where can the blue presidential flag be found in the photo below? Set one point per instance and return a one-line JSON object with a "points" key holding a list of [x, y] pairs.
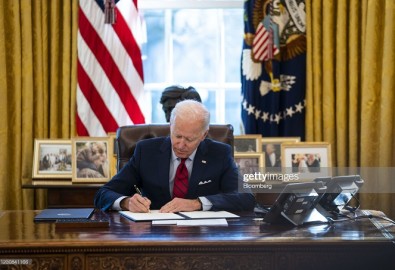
{"points": [[273, 68]]}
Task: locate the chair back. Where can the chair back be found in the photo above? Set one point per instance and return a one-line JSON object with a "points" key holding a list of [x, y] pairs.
{"points": [[128, 136]]}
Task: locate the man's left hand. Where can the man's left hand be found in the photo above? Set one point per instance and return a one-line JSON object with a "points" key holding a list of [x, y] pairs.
{"points": [[179, 205]]}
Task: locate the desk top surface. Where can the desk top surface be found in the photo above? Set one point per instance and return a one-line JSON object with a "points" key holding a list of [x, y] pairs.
{"points": [[17, 228]]}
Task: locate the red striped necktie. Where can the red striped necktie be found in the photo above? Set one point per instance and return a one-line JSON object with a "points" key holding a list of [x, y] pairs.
{"points": [[180, 188]]}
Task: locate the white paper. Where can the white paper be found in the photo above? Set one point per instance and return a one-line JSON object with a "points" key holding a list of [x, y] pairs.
{"points": [[203, 222], [209, 214], [193, 222], [153, 215], [164, 222]]}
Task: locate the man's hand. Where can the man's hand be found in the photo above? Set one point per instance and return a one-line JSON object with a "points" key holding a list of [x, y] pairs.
{"points": [[178, 205], [136, 203]]}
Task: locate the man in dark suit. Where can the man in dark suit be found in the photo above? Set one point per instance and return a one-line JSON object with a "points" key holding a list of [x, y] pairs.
{"points": [[272, 158], [212, 175]]}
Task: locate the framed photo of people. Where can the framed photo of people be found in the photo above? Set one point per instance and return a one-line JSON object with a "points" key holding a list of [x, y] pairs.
{"points": [[113, 156], [91, 159], [271, 147], [308, 160], [52, 159], [247, 143], [249, 163]]}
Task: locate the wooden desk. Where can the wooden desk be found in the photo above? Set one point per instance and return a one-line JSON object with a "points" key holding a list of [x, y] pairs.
{"points": [[245, 244], [81, 195], [68, 195]]}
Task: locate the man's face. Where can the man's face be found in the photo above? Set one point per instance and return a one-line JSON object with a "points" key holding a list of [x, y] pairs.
{"points": [[185, 136], [269, 148]]}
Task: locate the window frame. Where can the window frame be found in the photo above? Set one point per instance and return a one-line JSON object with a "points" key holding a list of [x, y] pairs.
{"points": [[195, 4], [220, 86]]}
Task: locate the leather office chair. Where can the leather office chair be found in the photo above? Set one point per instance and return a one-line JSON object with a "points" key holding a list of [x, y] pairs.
{"points": [[128, 136]]}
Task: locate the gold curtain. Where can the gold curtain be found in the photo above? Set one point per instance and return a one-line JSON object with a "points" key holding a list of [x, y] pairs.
{"points": [[37, 88], [351, 86]]}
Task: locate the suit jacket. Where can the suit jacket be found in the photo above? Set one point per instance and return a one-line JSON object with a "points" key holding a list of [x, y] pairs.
{"points": [[214, 176]]}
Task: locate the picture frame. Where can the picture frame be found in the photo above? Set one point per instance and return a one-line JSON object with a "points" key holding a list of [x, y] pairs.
{"points": [[113, 160], [307, 160], [271, 148], [52, 159], [247, 143], [249, 163], [91, 159]]}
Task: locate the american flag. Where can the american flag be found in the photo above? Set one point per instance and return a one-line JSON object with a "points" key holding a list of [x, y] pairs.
{"points": [[274, 68], [110, 71], [263, 47]]}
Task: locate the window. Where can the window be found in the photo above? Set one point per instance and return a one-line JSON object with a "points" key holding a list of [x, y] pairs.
{"points": [[199, 44]]}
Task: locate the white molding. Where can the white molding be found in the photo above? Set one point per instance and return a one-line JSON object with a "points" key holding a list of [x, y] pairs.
{"points": [[198, 85], [192, 4]]}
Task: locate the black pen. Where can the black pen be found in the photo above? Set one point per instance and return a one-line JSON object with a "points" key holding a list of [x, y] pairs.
{"points": [[141, 194]]}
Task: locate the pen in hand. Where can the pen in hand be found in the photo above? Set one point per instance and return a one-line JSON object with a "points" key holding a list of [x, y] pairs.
{"points": [[141, 194]]}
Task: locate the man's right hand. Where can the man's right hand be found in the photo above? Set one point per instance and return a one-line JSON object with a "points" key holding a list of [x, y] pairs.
{"points": [[136, 203]]}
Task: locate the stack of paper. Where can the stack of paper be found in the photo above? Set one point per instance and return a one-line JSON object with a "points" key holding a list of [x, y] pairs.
{"points": [[193, 222], [209, 214], [195, 218]]}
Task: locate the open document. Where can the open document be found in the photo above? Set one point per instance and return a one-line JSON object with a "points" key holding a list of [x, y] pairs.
{"points": [[156, 215], [153, 215]]}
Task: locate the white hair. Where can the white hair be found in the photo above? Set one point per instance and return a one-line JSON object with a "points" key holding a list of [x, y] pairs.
{"points": [[192, 110]]}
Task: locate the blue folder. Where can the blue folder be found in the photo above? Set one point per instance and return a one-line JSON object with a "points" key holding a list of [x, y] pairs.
{"points": [[53, 214]]}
